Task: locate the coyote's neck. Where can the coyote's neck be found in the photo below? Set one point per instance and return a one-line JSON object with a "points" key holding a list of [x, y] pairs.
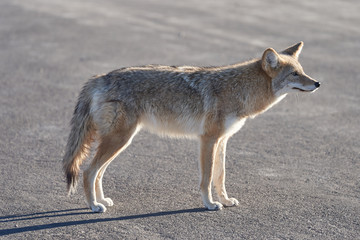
{"points": [[253, 89]]}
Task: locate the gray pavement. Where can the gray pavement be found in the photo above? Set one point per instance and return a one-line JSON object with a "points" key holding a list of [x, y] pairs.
{"points": [[294, 169]]}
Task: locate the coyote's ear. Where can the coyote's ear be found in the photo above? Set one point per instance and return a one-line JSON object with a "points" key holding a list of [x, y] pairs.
{"points": [[294, 51], [270, 60]]}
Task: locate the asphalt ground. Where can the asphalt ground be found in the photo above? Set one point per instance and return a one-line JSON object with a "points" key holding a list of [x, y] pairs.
{"points": [[294, 169]]}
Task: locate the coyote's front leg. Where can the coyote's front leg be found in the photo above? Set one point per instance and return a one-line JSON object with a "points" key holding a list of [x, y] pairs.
{"points": [[208, 147], [219, 175]]}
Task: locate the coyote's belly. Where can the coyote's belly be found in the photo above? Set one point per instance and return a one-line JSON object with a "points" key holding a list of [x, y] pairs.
{"points": [[173, 126]]}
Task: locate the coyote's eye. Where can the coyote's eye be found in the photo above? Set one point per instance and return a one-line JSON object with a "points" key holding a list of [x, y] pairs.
{"points": [[295, 74]]}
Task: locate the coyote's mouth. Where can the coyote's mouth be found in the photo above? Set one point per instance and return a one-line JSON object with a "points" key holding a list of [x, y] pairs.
{"points": [[302, 90]]}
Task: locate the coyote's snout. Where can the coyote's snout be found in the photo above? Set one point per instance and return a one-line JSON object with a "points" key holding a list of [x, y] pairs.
{"points": [[207, 103], [304, 83]]}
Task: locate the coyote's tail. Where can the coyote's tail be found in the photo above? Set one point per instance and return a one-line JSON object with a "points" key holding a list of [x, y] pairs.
{"points": [[80, 138]]}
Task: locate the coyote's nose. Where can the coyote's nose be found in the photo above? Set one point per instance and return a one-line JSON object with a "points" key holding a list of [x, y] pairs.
{"points": [[317, 84]]}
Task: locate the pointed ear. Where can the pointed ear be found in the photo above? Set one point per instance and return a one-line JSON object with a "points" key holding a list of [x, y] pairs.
{"points": [[270, 59], [294, 51]]}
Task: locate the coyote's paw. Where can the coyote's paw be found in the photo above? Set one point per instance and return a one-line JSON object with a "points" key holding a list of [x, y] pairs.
{"points": [[106, 201], [98, 207], [214, 206], [229, 202]]}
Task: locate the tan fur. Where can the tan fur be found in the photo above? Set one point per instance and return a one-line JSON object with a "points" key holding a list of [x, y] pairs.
{"points": [[208, 103]]}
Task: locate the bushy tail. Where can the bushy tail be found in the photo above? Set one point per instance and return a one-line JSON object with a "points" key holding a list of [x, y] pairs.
{"points": [[80, 138]]}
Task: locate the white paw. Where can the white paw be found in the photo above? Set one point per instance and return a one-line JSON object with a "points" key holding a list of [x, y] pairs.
{"points": [[106, 201], [98, 207], [229, 202], [214, 206]]}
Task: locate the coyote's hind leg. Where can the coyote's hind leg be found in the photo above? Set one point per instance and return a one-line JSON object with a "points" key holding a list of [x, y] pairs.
{"points": [[110, 146], [107, 202]]}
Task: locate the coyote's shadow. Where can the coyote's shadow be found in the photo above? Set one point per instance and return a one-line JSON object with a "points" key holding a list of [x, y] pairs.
{"points": [[73, 212]]}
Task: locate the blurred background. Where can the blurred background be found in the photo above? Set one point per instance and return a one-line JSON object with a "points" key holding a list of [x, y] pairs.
{"points": [[294, 169]]}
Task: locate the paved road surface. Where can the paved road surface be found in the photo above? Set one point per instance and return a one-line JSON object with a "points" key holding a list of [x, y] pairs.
{"points": [[294, 169]]}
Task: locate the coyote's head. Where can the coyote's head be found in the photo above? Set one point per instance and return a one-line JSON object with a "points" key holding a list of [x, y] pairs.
{"points": [[286, 72]]}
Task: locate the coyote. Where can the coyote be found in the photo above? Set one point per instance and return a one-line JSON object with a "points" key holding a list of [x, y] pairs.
{"points": [[207, 103]]}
